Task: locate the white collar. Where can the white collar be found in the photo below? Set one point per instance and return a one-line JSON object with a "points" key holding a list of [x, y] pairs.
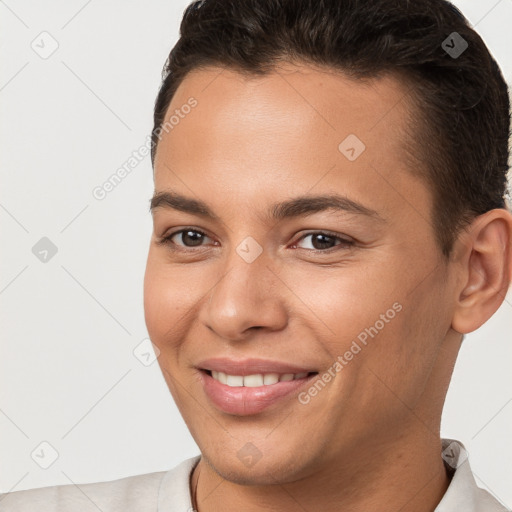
{"points": [[463, 492]]}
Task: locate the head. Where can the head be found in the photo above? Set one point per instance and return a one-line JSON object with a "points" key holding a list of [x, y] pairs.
{"points": [[338, 176]]}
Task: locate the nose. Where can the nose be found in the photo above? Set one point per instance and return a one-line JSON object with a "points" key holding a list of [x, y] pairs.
{"points": [[248, 297]]}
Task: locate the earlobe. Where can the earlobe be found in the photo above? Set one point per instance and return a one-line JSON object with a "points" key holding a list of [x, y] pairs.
{"points": [[487, 269]]}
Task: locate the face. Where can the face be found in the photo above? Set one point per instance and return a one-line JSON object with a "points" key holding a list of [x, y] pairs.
{"points": [[294, 239]]}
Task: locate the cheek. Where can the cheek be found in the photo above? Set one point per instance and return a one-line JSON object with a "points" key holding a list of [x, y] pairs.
{"points": [[163, 294], [162, 298], [343, 303], [172, 298], [153, 301], [403, 353], [370, 317]]}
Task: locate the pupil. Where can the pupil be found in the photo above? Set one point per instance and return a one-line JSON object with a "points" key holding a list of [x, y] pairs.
{"points": [[326, 240], [196, 237]]}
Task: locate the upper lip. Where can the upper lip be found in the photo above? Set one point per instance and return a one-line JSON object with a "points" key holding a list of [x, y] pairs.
{"points": [[250, 366]]}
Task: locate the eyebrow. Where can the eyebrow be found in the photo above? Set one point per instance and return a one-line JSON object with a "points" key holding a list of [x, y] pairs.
{"points": [[295, 207]]}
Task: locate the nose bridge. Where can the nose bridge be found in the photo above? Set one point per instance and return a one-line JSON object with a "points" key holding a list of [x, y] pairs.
{"points": [[247, 275], [246, 296]]}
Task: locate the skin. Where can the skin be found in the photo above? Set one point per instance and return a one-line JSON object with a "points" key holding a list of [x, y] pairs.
{"points": [[371, 437]]}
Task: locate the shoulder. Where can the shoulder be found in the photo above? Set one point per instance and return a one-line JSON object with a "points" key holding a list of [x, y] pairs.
{"points": [[148, 492], [485, 502], [138, 492]]}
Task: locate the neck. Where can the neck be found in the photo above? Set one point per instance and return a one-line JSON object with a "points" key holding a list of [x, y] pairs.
{"points": [[409, 475]]}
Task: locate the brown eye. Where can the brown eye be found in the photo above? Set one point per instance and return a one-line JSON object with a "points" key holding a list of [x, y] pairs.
{"points": [[184, 238], [190, 237], [321, 241]]}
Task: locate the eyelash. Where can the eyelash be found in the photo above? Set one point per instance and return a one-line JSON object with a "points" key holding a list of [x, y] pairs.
{"points": [[166, 240]]}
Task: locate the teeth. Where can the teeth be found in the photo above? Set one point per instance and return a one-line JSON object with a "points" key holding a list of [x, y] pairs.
{"points": [[270, 378], [234, 381], [252, 381]]}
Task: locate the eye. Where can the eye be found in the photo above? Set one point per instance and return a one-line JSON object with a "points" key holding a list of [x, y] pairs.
{"points": [[190, 237], [323, 241]]}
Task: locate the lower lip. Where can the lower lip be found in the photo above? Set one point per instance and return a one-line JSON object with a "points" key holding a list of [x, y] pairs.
{"points": [[244, 401]]}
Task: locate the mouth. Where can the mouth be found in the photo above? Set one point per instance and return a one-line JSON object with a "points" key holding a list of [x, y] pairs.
{"points": [[243, 395]]}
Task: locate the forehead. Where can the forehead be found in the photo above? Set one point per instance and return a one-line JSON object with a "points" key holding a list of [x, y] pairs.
{"points": [[321, 100], [296, 81], [288, 128]]}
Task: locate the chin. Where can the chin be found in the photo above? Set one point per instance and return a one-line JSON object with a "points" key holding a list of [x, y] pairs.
{"points": [[270, 469], [262, 475]]}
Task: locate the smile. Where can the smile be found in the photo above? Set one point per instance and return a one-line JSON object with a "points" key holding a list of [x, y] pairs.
{"points": [[243, 395]]}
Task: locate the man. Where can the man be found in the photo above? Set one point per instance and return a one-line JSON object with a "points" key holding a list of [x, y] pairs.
{"points": [[329, 222]]}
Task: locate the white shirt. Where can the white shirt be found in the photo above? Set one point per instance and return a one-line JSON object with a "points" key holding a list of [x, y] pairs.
{"points": [[169, 491]]}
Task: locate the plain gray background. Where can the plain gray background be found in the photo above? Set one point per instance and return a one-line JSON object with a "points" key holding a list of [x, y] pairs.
{"points": [[68, 373]]}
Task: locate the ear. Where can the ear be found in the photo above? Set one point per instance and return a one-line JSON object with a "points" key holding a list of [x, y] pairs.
{"points": [[485, 251]]}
